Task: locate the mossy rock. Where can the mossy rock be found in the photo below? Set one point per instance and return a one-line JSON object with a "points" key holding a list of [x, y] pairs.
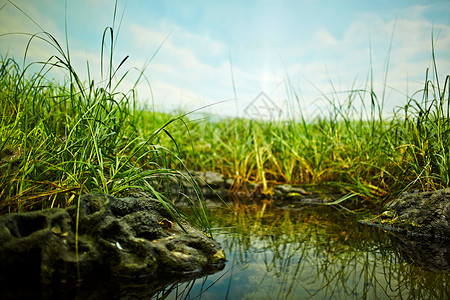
{"points": [[118, 238], [418, 213]]}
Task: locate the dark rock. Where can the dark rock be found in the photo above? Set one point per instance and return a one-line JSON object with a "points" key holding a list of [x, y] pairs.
{"points": [[10, 154], [119, 239], [215, 185], [420, 228], [213, 179], [10, 159], [297, 195], [191, 184], [289, 191], [416, 213], [212, 184], [419, 224]]}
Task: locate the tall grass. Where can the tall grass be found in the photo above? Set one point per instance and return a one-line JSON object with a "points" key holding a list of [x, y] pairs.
{"points": [[425, 134], [352, 148], [61, 140]]}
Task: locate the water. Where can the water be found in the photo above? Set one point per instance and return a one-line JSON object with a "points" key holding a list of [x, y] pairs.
{"points": [[310, 253], [294, 252]]}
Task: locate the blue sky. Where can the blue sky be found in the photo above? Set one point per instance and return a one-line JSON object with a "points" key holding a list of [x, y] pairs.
{"points": [[313, 47]]}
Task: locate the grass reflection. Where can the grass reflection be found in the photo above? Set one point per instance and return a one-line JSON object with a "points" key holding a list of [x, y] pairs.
{"points": [[312, 252]]}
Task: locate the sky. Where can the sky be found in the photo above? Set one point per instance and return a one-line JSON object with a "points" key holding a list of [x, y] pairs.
{"points": [[237, 58]]}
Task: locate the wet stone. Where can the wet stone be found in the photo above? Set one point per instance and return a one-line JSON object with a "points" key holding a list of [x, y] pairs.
{"points": [[417, 213], [119, 239]]}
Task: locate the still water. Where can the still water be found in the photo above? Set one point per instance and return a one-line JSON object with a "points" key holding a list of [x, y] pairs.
{"points": [[311, 252]]}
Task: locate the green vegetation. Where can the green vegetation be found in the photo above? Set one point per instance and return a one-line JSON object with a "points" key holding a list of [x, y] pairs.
{"points": [[369, 155], [58, 141]]}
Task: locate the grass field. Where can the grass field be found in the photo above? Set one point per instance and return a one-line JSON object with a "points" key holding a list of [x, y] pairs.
{"points": [[60, 140], [370, 155]]}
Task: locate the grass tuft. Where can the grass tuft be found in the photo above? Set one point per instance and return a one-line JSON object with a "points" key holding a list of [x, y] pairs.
{"points": [[61, 140]]}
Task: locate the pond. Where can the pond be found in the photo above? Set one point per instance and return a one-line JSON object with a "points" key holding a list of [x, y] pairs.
{"points": [[294, 251], [311, 252]]}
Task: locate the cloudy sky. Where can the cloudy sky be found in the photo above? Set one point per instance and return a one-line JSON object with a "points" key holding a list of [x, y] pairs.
{"points": [[215, 51]]}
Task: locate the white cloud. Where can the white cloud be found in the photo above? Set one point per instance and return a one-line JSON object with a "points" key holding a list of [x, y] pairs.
{"points": [[193, 65], [345, 63], [189, 70]]}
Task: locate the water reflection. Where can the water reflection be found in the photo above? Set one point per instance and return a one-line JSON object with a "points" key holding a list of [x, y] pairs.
{"points": [[308, 252]]}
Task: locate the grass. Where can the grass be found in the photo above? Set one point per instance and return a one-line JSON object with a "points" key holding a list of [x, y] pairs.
{"points": [[356, 151], [60, 140], [79, 138]]}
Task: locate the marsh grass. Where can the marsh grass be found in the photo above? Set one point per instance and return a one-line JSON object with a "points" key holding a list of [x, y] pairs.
{"points": [[58, 141], [337, 154], [425, 134], [353, 148]]}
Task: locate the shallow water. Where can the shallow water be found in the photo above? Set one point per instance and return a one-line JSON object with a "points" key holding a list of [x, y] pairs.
{"points": [[309, 252], [291, 252]]}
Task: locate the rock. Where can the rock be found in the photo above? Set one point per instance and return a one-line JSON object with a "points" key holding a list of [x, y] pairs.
{"points": [[10, 160], [10, 154], [419, 223], [191, 184], [211, 184], [213, 179], [296, 195], [119, 239], [418, 214], [289, 191]]}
